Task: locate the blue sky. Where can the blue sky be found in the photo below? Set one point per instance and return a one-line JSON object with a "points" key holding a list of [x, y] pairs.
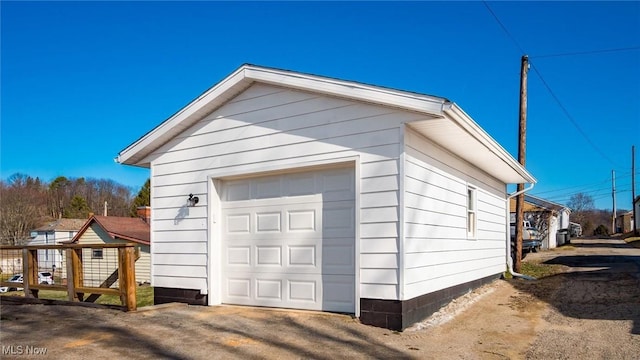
{"points": [[81, 81]]}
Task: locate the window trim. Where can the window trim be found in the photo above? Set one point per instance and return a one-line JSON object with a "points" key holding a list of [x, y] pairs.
{"points": [[472, 212], [94, 253]]}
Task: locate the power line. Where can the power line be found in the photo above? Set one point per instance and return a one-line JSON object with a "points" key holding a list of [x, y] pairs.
{"points": [[588, 52], [504, 28], [595, 194], [584, 186], [594, 186], [546, 85], [568, 115], [607, 189], [551, 92]]}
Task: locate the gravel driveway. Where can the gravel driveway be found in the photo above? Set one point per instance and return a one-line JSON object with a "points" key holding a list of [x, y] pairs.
{"points": [[589, 311]]}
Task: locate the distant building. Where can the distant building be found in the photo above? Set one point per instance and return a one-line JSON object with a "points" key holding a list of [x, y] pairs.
{"points": [[551, 219], [624, 223], [54, 233]]}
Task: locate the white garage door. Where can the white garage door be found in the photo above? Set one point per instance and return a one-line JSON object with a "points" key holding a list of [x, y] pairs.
{"points": [[289, 241]]}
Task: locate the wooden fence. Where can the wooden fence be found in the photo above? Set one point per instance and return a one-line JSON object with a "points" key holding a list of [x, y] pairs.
{"points": [[120, 280]]}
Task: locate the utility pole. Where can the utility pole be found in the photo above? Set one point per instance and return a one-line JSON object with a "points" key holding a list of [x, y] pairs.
{"points": [[613, 195], [522, 152], [633, 189]]}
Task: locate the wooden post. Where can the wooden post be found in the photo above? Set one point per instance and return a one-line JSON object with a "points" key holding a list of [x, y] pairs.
{"points": [[71, 279], [34, 279], [122, 274], [29, 272], [78, 275], [522, 151], [127, 274], [26, 261]]}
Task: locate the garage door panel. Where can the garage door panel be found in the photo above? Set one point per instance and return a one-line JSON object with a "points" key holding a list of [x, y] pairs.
{"points": [[269, 289], [268, 222], [238, 223], [299, 292], [239, 255], [239, 288], [338, 216], [300, 184], [237, 190], [268, 256], [338, 259], [303, 291], [337, 185], [274, 203], [302, 256], [339, 292], [266, 188], [290, 241], [301, 220]]}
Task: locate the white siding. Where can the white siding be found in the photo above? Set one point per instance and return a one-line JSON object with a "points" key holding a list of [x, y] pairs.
{"points": [[50, 257], [438, 252], [272, 127], [46, 258]]}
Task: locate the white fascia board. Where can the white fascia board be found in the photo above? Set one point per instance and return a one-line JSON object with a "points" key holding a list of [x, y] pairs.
{"points": [[176, 123], [350, 90], [247, 74], [466, 122]]}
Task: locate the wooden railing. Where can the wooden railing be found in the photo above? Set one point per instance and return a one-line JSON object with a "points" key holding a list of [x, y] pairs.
{"points": [[123, 276]]}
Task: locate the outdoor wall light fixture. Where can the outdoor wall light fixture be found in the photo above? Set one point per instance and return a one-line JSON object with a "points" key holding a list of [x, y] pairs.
{"points": [[192, 201]]}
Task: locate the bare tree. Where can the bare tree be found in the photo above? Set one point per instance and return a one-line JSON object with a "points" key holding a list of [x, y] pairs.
{"points": [[117, 196], [540, 220], [23, 207], [27, 203], [581, 206], [94, 192]]}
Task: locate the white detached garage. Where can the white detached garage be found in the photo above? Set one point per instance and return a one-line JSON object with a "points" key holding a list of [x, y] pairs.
{"points": [[323, 194]]}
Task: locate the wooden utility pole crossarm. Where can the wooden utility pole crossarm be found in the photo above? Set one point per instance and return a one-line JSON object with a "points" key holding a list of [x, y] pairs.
{"points": [[522, 152]]}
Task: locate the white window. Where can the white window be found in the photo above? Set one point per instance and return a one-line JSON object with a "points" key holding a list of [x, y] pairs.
{"points": [[471, 212], [96, 254]]}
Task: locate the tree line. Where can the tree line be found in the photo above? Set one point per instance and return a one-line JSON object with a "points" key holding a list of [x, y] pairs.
{"points": [[593, 221], [27, 203]]}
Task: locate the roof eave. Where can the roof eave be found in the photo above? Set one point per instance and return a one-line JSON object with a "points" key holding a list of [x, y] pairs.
{"points": [[181, 120], [347, 89], [466, 123], [128, 238], [82, 230], [244, 76]]}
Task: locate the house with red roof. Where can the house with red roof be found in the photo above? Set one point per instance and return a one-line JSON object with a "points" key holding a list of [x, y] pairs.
{"points": [[99, 263]]}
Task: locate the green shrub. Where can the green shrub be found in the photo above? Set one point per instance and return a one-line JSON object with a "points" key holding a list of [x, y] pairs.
{"points": [[601, 230]]}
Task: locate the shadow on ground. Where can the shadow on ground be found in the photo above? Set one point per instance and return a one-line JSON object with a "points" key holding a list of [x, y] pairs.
{"points": [[191, 333], [600, 287], [599, 245]]}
